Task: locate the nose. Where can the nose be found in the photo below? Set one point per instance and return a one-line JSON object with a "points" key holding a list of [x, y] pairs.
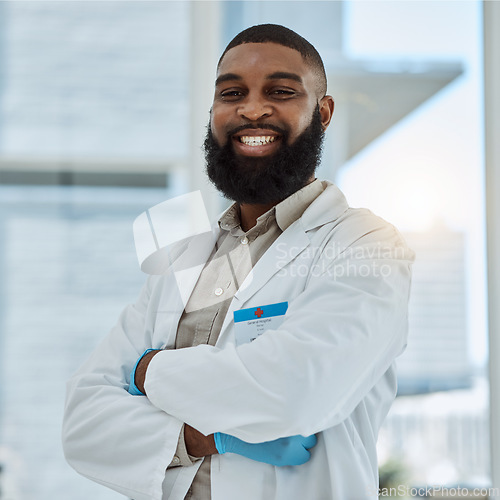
{"points": [[254, 108]]}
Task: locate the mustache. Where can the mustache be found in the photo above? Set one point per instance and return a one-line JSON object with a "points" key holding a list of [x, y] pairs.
{"points": [[263, 126]]}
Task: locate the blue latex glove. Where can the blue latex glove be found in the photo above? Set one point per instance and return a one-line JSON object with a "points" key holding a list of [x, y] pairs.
{"points": [[132, 388], [284, 451]]}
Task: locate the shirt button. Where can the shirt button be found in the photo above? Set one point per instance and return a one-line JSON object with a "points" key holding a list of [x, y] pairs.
{"points": [[218, 291], [244, 240], [176, 460]]}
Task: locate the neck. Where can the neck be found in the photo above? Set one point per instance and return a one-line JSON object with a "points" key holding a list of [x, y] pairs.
{"points": [[250, 213]]}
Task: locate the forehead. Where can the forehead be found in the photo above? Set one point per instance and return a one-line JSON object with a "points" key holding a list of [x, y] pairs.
{"points": [[264, 58]]}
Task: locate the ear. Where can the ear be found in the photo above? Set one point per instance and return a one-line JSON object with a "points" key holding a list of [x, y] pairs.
{"points": [[326, 106]]}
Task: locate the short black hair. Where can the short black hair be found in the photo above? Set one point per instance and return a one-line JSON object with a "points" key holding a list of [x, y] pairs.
{"points": [[275, 33]]}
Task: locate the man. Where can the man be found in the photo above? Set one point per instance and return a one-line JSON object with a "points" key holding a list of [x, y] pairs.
{"points": [[200, 400]]}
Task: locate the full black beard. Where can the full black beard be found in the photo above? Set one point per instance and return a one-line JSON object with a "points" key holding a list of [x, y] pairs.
{"points": [[268, 179]]}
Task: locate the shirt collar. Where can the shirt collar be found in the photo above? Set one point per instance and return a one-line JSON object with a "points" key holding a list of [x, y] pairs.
{"points": [[230, 218], [287, 211]]}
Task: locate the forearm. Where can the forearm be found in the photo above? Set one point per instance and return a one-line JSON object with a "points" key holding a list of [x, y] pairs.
{"points": [[103, 443], [192, 444], [197, 444]]}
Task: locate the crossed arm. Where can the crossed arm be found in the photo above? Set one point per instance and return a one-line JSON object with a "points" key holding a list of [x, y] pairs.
{"points": [[197, 444], [293, 450]]}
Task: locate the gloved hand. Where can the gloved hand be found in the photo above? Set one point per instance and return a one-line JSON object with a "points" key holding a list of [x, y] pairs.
{"points": [[284, 451]]}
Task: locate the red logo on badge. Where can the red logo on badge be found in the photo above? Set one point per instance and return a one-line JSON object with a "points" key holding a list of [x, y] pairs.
{"points": [[259, 312]]}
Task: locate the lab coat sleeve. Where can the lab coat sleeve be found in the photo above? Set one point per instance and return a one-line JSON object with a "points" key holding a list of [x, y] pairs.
{"points": [[340, 336], [114, 438]]}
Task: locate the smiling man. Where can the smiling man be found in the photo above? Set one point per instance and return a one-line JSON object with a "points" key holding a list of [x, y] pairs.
{"points": [[268, 117], [273, 379]]}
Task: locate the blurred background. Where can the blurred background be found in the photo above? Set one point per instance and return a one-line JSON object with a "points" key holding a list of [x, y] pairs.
{"points": [[103, 108]]}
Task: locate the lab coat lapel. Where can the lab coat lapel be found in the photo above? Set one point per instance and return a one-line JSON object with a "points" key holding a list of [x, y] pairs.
{"points": [[329, 206], [282, 251], [324, 209], [187, 268]]}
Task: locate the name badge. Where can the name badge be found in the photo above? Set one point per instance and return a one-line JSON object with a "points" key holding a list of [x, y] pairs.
{"points": [[252, 322]]}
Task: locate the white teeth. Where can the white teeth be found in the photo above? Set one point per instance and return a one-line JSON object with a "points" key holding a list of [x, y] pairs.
{"points": [[251, 140]]}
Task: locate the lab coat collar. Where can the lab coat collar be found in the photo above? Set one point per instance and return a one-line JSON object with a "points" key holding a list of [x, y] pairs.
{"points": [[327, 207]]}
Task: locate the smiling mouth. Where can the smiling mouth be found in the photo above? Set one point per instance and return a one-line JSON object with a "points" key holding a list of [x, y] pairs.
{"points": [[256, 142], [251, 140]]}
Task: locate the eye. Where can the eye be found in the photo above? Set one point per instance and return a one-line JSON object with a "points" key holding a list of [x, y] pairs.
{"points": [[282, 93], [231, 95]]}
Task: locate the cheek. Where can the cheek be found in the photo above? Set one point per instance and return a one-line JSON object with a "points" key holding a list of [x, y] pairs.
{"points": [[218, 126], [298, 127], [301, 120]]}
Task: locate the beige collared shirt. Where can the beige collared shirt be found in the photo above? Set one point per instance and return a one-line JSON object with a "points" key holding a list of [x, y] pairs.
{"points": [[235, 254]]}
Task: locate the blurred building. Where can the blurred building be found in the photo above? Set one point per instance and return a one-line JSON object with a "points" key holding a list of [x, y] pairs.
{"points": [[440, 438], [93, 92], [437, 358], [103, 92]]}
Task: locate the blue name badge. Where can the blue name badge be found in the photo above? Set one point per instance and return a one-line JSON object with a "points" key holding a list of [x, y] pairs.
{"points": [[252, 322]]}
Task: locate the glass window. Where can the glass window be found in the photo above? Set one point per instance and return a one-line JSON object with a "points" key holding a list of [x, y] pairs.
{"points": [[426, 176], [91, 93]]}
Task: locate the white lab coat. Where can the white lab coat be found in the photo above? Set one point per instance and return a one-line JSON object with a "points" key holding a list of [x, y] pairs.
{"points": [[328, 369]]}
